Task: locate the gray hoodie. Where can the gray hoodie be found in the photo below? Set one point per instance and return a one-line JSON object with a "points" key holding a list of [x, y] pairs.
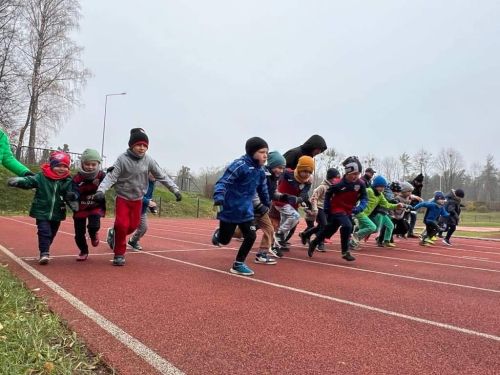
{"points": [[130, 176]]}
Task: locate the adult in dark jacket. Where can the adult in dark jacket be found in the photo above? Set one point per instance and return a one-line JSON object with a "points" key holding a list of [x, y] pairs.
{"points": [[418, 184], [313, 146]]}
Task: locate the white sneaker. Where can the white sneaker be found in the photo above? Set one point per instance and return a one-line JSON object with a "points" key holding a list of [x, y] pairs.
{"points": [[263, 258], [446, 242]]}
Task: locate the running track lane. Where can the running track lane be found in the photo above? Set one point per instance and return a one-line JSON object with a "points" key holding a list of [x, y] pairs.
{"points": [[197, 317]]}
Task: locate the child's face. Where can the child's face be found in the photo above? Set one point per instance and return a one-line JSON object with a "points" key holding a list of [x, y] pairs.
{"points": [[405, 194], [139, 149], [278, 171], [261, 156], [305, 174], [90, 166], [441, 202], [351, 177], [60, 169], [380, 189]]}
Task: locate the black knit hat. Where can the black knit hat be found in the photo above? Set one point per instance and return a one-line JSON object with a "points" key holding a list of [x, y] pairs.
{"points": [[254, 144], [459, 193], [419, 178], [332, 173], [138, 135]]}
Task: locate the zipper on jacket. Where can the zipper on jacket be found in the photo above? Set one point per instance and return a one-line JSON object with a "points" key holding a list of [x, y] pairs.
{"points": [[53, 201]]}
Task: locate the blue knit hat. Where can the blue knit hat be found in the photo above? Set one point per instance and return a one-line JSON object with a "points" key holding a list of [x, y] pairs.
{"points": [[438, 195], [379, 181], [275, 159]]}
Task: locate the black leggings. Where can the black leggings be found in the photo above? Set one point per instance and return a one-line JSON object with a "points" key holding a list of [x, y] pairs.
{"points": [[431, 228], [451, 230], [93, 227], [226, 231], [321, 220], [333, 224]]}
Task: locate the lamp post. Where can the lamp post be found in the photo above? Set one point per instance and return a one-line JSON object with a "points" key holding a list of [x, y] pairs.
{"points": [[104, 124]]}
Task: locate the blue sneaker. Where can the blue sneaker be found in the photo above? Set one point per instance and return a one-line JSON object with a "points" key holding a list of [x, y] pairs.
{"points": [[215, 238], [110, 238], [240, 268]]}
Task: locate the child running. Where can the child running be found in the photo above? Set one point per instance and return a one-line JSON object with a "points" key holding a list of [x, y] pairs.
{"points": [[130, 177], [454, 207], [233, 195], [48, 207], [89, 211], [317, 201], [435, 209], [340, 203]]}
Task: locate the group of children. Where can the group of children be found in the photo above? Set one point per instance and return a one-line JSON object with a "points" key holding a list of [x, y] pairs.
{"points": [[357, 205], [132, 176], [260, 190]]}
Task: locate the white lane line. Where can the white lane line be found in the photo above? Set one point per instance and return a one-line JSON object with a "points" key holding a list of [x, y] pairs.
{"points": [[144, 352], [339, 300]]}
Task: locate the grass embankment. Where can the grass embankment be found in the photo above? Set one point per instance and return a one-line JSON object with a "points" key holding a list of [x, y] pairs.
{"points": [[35, 341], [14, 201]]}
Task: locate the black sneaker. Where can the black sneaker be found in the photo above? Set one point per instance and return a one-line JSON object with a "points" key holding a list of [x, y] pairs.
{"points": [[347, 256], [134, 245], [276, 251], [44, 259], [110, 238], [119, 260], [321, 247], [215, 238], [304, 238], [312, 247]]}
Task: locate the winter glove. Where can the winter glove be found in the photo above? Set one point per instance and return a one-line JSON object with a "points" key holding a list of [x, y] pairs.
{"points": [[14, 181], [71, 196], [261, 209], [73, 204], [110, 169], [178, 196], [98, 196], [28, 173], [356, 210], [293, 200], [283, 197]]}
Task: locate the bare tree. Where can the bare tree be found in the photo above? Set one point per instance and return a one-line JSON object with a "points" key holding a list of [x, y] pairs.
{"points": [[51, 62], [422, 160], [405, 161], [390, 168], [449, 166], [330, 158]]}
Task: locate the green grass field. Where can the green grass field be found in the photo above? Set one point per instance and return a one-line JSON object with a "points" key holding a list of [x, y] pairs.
{"points": [[35, 341]]}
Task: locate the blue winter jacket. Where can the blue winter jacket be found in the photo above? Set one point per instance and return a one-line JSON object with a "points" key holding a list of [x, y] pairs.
{"points": [[148, 196], [236, 189], [434, 211]]}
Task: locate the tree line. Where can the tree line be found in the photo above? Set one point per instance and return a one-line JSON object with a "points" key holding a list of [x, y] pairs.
{"points": [[41, 71]]}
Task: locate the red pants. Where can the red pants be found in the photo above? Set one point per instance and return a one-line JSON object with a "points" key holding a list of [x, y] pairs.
{"points": [[127, 219]]}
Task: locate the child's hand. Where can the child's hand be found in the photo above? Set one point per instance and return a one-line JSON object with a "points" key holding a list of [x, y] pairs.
{"points": [[401, 205], [178, 196], [98, 196], [14, 181]]}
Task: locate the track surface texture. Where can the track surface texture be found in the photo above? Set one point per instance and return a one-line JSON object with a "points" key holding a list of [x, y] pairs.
{"points": [[174, 307]]}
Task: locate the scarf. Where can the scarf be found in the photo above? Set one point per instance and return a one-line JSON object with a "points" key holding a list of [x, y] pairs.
{"points": [[88, 175], [49, 173], [133, 155]]}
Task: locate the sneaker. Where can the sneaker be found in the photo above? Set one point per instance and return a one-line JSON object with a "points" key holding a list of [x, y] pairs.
{"points": [[434, 238], [353, 244], [304, 238], [118, 260], [280, 237], [426, 242], [215, 238], [388, 244], [347, 256], [95, 240], [411, 235], [275, 251], [263, 258], [44, 259], [110, 238], [240, 268], [134, 245], [321, 247], [446, 242], [82, 257], [380, 244], [312, 247]]}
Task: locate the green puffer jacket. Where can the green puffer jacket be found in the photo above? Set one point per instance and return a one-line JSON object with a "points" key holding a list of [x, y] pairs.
{"points": [[48, 203], [7, 159], [375, 200]]}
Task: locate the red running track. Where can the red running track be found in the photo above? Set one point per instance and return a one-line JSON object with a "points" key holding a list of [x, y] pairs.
{"points": [[175, 307]]}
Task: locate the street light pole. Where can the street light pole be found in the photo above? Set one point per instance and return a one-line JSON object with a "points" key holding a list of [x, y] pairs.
{"points": [[104, 124]]}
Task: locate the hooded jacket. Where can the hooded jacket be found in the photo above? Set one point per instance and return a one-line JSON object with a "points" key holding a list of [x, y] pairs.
{"points": [[236, 190], [289, 185], [376, 199], [434, 211], [7, 159], [452, 206], [292, 156]]}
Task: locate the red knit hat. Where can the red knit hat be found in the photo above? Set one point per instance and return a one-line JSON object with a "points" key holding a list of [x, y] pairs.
{"points": [[59, 157]]}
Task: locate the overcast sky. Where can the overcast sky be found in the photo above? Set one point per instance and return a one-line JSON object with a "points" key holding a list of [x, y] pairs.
{"points": [[379, 77]]}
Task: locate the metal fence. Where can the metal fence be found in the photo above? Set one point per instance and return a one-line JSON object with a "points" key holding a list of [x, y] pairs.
{"points": [[36, 155]]}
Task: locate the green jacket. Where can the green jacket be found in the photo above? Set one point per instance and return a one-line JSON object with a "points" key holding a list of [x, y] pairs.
{"points": [[374, 201], [7, 159], [48, 203]]}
